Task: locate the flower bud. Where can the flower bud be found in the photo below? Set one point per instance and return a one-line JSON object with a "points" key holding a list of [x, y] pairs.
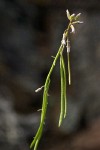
{"points": [[77, 16], [68, 14], [73, 29]]}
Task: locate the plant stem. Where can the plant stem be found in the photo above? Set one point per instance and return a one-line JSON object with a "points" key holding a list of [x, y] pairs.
{"points": [[72, 20], [45, 93]]}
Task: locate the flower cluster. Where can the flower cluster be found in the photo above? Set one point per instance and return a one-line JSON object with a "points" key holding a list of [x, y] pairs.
{"points": [[73, 19]]}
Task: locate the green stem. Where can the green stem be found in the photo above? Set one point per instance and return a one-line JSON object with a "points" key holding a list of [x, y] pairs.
{"points": [[72, 18], [45, 95]]}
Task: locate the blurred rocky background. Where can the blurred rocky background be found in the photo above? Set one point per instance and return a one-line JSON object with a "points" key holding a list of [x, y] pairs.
{"points": [[30, 33]]}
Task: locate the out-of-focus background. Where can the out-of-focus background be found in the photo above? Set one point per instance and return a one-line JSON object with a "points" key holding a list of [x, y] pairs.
{"points": [[30, 33]]}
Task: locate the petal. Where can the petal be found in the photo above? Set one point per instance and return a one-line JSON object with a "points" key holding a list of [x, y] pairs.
{"points": [[72, 28], [68, 14]]}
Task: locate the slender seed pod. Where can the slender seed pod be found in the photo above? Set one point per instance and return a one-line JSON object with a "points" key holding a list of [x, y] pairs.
{"points": [[65, 97], [62, 92], [69, 71]]}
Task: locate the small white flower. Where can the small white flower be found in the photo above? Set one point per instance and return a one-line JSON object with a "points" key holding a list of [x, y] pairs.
{"points": [[63, 42], [68, 14], [73, 29], [80, 22], [72, 16], [77, 22], [68, 46], [39, 89], [77, 16]]}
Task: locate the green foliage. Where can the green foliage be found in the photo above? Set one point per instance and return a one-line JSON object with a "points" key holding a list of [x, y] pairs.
{"points": [[73, 19]]}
